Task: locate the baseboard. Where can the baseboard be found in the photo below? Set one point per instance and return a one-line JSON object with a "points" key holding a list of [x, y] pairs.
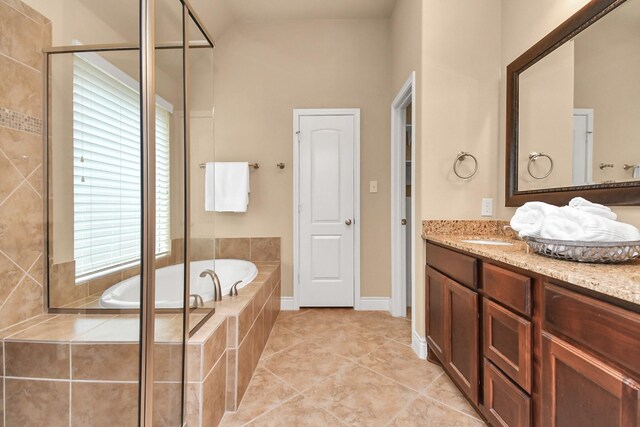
{"points": [[374, 303], [419, 345], [286, 303], [366, 303]]}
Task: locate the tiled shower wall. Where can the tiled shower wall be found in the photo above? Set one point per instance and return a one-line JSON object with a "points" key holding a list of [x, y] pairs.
{"points": [[23, 33]]}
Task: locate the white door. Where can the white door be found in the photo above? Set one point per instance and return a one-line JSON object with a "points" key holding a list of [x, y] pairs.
{"points": [[326, 195], [582, 173]]}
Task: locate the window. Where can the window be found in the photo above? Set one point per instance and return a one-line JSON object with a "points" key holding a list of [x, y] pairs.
{"points": [[106, 168]]}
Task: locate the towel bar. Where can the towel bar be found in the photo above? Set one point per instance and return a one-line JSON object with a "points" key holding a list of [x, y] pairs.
{"points": [[251, 165]]}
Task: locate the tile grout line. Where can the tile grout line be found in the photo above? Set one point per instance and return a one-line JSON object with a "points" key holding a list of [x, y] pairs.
{"points": [[21, 63], [452, 408], [25, 15], [405, 407]]}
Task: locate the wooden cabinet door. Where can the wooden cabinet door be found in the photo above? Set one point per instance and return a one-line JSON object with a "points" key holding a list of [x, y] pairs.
{"points": [[580, 390], [462, 338], [435, 292]]}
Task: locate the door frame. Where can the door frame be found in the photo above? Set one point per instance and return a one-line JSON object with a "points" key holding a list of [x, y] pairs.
{"points": [[405, 96], [297, 113], [589, 114]]}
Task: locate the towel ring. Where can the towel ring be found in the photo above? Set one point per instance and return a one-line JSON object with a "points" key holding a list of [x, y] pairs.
{"points": [[460, 158], [535, 156]]}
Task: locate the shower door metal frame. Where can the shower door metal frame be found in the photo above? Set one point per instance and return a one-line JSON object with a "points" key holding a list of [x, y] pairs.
{"points": [[146, 48]]}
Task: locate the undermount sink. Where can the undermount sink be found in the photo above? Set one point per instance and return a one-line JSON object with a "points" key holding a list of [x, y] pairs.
{"points": [[488, 242]]}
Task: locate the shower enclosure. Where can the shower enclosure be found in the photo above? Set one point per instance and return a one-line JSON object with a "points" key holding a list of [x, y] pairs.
{"points": [[119, 191]]}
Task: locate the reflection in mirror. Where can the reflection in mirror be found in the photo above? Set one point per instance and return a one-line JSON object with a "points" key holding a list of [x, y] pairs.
{"points": [[580, 106]]}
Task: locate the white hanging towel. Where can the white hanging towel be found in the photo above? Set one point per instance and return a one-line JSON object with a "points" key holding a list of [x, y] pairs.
{"points": [[227, 187]]}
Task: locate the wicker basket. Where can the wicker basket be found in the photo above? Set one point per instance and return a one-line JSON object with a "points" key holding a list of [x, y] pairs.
{"points": [[596, 252]]}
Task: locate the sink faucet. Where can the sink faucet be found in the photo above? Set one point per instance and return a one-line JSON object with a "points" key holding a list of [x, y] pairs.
{"points": [[217, 290]]}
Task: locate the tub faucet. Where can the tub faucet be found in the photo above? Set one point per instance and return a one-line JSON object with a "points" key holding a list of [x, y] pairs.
{"points": [[197, 301], [217, 290], [233, 292]]}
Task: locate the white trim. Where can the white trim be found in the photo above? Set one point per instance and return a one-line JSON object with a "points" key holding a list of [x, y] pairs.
{"points": [[374, 304], [419, 345], [589, 113], [398, 243], [355, 112], [286, 304]]}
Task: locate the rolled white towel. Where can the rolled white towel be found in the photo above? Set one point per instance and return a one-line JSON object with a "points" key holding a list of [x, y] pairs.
{"points": [[528, 219], [592, 208], [573, 224]]}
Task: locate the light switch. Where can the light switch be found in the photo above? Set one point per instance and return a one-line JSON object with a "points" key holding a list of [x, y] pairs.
{"points": [[487, 207], [373, 186]]}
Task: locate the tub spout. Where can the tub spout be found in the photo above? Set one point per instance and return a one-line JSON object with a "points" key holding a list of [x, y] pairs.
{"points": [[217, 290], [197, 301], [233, 292]]}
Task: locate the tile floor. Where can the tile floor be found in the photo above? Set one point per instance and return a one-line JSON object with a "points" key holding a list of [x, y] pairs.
{"points": [[340, 367]]}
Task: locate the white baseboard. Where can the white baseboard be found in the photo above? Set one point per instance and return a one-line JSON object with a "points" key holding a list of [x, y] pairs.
{"points": [[374, 303], [419, 345], [286, 303], [366, 303]]}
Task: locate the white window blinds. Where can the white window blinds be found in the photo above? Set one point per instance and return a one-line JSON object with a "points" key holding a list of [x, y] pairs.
{"points": [[106, 168]]}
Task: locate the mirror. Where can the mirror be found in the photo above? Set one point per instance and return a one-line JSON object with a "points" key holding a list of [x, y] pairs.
{"points": [[573, 103]]}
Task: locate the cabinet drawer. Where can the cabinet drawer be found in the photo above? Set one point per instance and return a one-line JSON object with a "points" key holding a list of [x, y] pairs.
{"points": [[505, 404], [610, 331], [511, 289], [461, 268], [507, 342]]}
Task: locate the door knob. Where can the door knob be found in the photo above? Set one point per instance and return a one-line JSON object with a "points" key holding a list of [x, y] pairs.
{"points": [[348, 222]]}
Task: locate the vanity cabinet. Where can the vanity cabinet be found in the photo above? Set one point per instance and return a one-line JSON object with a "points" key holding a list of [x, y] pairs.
{"points": [[452, 320], [527, 350]]}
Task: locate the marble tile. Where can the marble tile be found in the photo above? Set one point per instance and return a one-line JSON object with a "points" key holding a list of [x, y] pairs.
{"points": [[265, 392], [36, 360], [167, 362], [112, 329], [194, 359], [37, 270], [61, 328], [36, 403], [352, 342], [424, 412], [258, 339], [23, 149], [445, 391], [105, 362], [89, 407], [24, 303], [360, 397], [21, 88], [233, 248], [265, 249], [36, 181], [167, 404], [280, 339], [213, 394], [193, 407], [24, 325], [202, 249], [27, 11], [11, 178], [232, 379], [297, 412], [21, 230], [21, 38], [245, 365], [399, 362], [382, 323], [63, 289], [313, 324], [10, 276], [305, 364]]}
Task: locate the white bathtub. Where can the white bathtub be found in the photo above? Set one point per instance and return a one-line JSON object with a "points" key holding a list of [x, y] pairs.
{"points": [[169, 290]]}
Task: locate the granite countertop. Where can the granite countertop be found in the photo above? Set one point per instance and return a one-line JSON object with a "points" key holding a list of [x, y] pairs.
{"points": [[620, 281]]}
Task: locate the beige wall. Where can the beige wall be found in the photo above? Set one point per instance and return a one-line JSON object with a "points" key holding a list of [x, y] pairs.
{"points": [[264, 70], [525, 22], [546, 96], [459, 92], [23, 33]]}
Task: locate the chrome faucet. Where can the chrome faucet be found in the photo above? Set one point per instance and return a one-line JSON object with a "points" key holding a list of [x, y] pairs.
{"points": [[217, 290], [233, 292]]}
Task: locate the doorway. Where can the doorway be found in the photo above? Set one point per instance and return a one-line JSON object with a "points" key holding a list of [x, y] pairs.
{"points": [[326, 208], [402, 203]]}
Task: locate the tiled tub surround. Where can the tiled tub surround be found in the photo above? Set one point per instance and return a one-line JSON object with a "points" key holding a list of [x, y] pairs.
{"points": [[65, 293], [58, 368], [621, 281], [24, 33]]}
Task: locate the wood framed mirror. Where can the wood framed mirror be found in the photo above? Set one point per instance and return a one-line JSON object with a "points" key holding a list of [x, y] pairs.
{"points": [[573, 110]]}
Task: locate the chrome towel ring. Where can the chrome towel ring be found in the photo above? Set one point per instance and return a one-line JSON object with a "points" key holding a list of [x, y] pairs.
{"points": [[533, 156], [460, 158]]}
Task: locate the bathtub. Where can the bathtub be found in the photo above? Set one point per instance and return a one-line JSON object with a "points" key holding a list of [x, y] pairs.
{"points": [[169, 290]]}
